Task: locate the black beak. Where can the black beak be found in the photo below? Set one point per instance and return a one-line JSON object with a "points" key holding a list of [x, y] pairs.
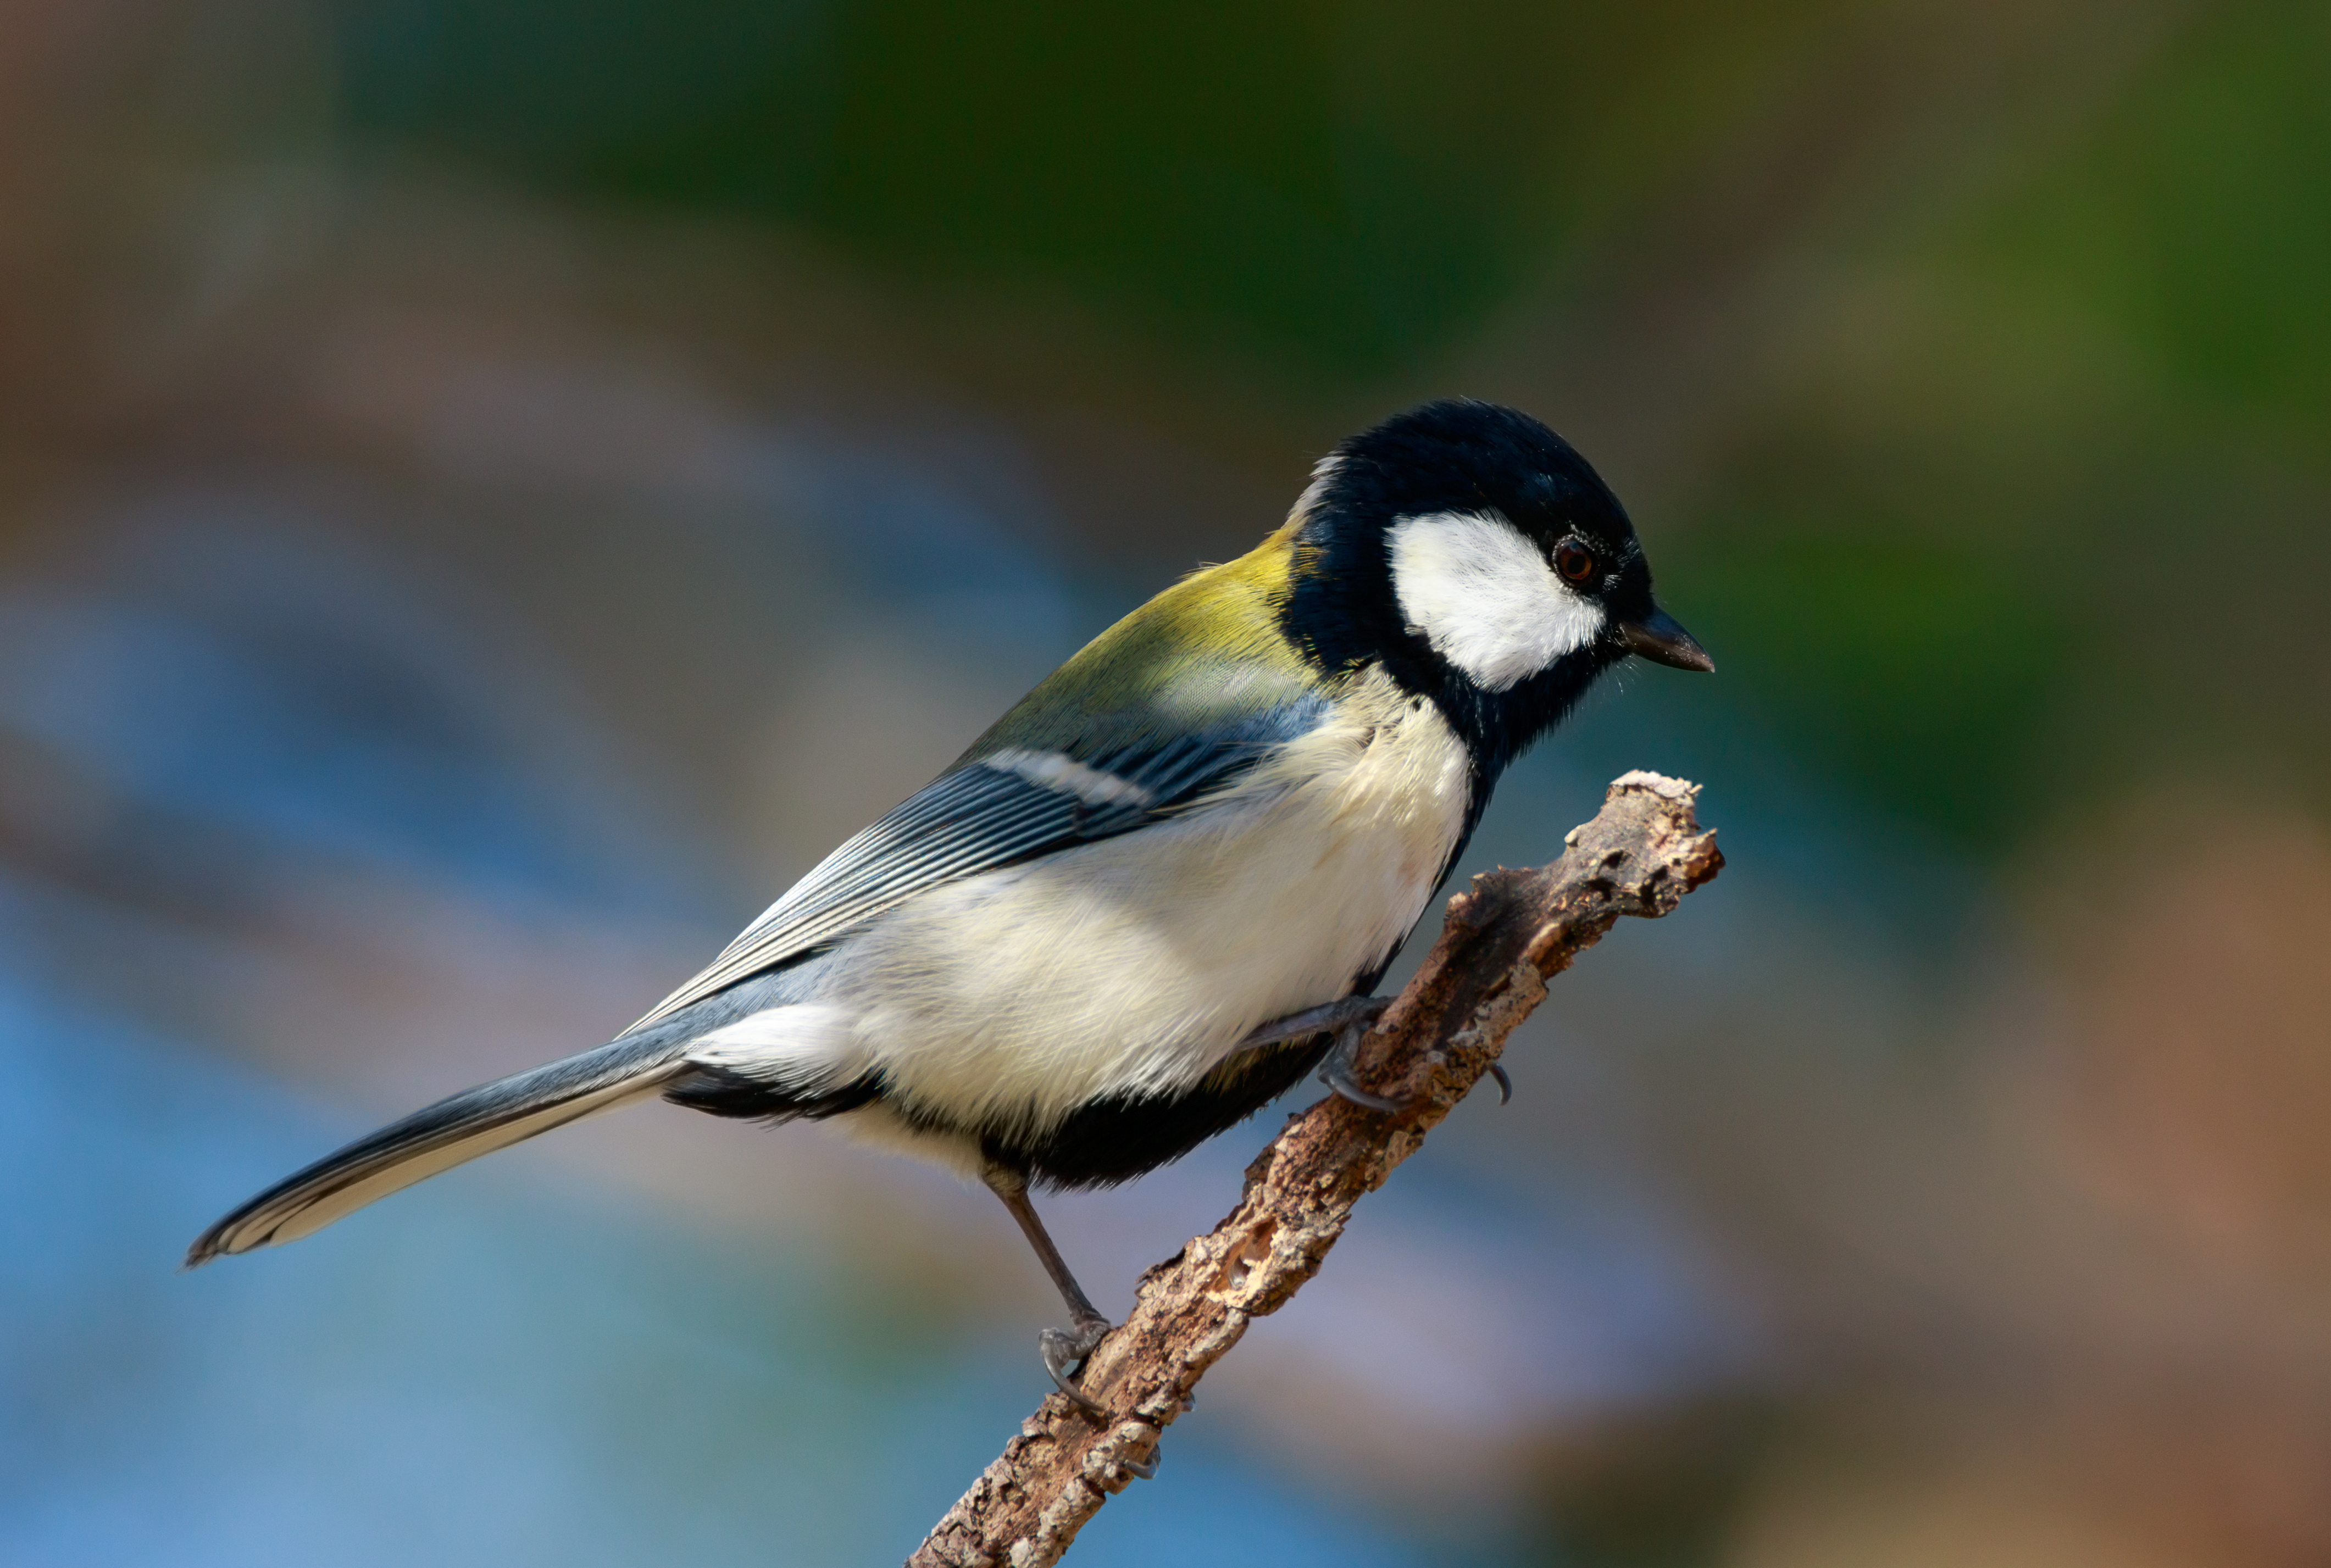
{"points": [[1661, 639]]}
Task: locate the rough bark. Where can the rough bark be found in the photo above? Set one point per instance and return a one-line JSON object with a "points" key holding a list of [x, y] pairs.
{"points": [[1502, 940]]}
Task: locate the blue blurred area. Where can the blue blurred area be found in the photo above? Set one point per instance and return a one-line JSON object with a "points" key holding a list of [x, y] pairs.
{"points": [[240, 680]]}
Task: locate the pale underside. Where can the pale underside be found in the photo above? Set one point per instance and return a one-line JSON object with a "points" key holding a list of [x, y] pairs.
{"points": [[1133, 966]]}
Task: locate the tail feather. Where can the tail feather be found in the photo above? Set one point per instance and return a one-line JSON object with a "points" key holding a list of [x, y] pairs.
{"points": [[438, 1137]]}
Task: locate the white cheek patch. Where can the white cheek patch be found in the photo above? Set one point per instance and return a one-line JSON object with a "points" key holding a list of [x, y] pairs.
{"points": [[1480, 593]]}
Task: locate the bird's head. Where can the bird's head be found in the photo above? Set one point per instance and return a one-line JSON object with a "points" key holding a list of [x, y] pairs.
{"points": [[1470, 551]]}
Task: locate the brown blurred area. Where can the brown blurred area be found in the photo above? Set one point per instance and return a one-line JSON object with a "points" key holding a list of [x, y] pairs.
{"points": [[1991, 1107]]}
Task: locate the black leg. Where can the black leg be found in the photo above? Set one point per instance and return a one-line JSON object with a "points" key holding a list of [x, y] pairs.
{"points": [[1334, 1016], [1061, 1348]]}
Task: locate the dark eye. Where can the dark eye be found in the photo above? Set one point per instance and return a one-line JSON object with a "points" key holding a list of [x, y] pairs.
{"points": [[1574, 560]]}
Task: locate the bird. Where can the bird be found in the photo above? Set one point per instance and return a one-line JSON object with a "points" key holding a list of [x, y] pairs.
{"points": [[1160, 891]]}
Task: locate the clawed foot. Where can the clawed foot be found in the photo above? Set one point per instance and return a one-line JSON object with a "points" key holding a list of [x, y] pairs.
{"points": [[1065, 1349], [1347, 1020], [1335, 1072], [1350, 1020]]}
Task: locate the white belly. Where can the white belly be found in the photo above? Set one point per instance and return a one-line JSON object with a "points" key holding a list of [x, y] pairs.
{"points": [[1135, 965]]}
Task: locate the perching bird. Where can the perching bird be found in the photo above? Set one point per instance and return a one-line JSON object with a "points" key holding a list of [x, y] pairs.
{"points": [[1157, 892]]}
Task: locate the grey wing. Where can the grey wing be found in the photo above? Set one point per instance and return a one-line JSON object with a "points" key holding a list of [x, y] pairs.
{"points": [[1007, 806]]}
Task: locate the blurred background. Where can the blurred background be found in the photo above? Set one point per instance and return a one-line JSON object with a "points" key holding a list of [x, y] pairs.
{"points": [[490, 491]]}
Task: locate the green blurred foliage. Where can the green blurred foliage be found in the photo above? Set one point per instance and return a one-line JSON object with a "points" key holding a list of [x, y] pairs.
{"points": [[1915, 667], [1913, 570], [1344, 187], [2074, 518], [2193, 221]]}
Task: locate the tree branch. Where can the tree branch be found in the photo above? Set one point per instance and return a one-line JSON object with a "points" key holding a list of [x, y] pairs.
{"points": [[1642, 853]]}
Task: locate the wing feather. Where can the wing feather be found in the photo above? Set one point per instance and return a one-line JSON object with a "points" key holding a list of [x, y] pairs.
{"points": [[1170, 703], [981, 816]]}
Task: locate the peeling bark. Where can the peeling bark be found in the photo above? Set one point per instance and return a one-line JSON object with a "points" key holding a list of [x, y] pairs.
{"points": [[1503, 939]]}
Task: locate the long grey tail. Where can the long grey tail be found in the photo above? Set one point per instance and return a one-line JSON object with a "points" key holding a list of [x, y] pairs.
{"points": [[438, 1137]]}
